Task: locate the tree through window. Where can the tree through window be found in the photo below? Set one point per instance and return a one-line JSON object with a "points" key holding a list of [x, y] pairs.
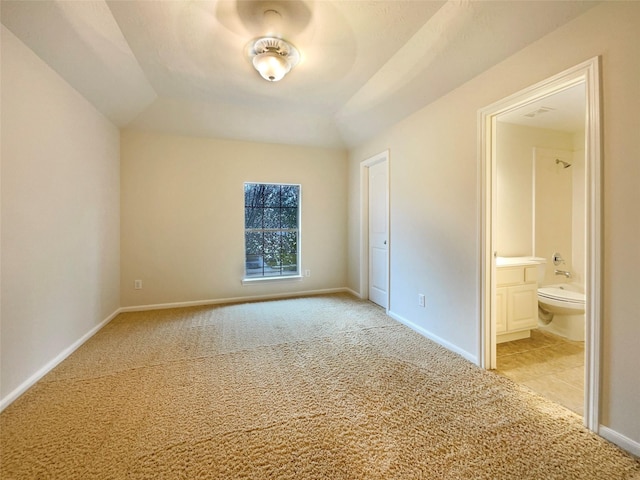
{"points": [[271, 230]]}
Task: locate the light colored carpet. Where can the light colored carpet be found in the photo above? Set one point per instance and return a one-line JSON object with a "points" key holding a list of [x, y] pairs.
{"points": [[323, 387]]}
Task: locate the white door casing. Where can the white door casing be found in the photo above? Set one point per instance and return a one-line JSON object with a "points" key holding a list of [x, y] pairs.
{"points": [[589, 74]]}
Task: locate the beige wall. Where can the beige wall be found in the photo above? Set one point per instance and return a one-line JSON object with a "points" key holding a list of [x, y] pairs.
{"points": [[60, 216], [183, 216], [435, 215], [554, 211], [578, 226], [558, 199]]}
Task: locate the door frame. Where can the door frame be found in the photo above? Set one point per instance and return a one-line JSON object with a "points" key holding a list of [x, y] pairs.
{"points": [[588, 73], [364, 225]]}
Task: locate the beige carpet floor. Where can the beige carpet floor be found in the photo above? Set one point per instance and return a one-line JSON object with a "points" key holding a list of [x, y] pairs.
{"points": [[324, 387]]}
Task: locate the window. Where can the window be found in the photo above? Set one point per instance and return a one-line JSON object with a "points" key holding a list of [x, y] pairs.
{"points": [[271, 230]]}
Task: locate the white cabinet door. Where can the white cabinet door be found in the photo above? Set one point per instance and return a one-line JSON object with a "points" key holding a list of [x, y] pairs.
{"points": [[522, 306], [501, 310]]}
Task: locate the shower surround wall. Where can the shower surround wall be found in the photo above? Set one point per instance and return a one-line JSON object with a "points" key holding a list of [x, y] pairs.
{"points": [[538, 218], [578, 221], [553, 209]]}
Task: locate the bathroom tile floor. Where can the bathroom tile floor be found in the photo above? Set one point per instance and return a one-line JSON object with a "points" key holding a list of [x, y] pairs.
{"points": [[548, 364]]}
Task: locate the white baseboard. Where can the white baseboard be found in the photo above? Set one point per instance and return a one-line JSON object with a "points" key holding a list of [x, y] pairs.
{"points": [[50, 365], [435, 338], [29, 382], [620, 440], [607, 433], [352, 292], [250, 298]]}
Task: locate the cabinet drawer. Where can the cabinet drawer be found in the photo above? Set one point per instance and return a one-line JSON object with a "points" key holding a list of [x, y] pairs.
{"points": [[510, 276], [530, 274]]}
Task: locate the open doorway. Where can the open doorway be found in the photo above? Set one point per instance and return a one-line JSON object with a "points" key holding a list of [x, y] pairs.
{"points": [[529, 241], [540, 242]]}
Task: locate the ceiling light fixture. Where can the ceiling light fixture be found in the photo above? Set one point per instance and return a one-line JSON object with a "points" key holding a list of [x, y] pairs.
{"points": [[273, 57]]}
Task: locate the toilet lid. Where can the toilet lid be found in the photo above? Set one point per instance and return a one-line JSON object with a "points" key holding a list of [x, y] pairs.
{"points": [[561, 294]]}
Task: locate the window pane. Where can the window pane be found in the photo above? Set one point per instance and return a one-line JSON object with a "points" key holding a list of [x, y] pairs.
{"points": [[253, 217], [289, 263], [254, 265], [253, 243], [289, 218], [289, 242], [271, 218], [253, 195], [272, 246], [290, 195], [271, 195]]}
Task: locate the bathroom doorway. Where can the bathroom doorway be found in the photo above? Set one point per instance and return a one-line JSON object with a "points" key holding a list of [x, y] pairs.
{"points": [[537, 133]]}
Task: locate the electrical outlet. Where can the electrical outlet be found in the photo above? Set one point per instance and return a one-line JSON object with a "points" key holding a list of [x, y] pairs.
{"points": [[421, 300], [307, 273], [137, 284]]}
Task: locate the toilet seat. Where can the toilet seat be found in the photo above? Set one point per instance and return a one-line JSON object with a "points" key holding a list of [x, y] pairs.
{"points": [[561, 295], [561, 301], [566, 303]]}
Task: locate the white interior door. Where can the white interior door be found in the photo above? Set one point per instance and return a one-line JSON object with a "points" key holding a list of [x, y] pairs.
{"points": [[378, 234]]}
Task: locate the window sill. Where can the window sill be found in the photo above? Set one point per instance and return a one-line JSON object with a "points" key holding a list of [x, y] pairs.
{"points": [[254, 281]]}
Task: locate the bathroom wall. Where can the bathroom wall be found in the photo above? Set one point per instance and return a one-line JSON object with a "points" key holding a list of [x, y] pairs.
{"points": [[515, 195], [578, 228], [540, 204], [553, 209]]}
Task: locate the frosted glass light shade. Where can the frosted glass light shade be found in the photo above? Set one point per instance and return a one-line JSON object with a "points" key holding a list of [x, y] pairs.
{"points": [[272, 57], [271, 65]]}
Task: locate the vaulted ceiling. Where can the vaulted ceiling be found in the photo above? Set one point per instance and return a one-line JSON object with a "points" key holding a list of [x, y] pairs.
{"points": [[181, 66]]}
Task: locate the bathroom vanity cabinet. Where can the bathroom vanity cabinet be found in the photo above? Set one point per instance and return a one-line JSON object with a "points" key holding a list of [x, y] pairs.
{"points": [[516, 302]]}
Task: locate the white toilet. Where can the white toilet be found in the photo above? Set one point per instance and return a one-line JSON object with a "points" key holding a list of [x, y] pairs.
{"points": [[566, 301]]}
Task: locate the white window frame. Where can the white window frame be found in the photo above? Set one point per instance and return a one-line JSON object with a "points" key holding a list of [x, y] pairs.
{"points": [[275, 278]]}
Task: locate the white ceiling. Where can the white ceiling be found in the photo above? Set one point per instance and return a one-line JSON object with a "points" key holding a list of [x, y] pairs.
{"points": [[564, 111], [180, 66]]}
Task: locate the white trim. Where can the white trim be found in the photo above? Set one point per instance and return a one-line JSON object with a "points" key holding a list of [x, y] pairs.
{"points": [[250, 298], [593, 280], [353, 292], [449, 346], [281, 278], [248, 280], [364, 225], [620, 440], [24, 386], [588, 73], [51, 364]]}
